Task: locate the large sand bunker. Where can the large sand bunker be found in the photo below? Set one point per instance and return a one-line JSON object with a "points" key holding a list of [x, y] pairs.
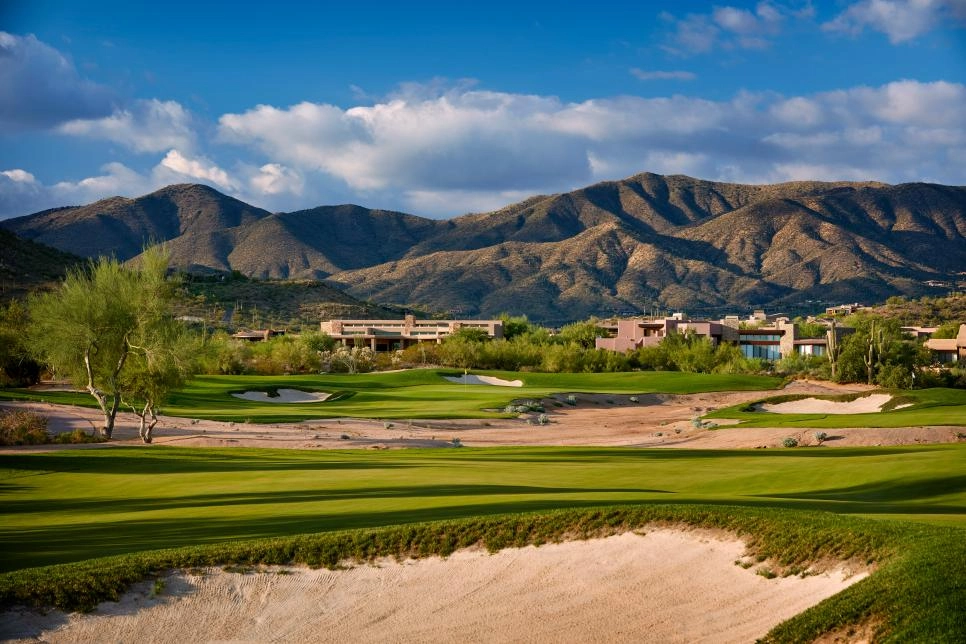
{"points": [[865, 405], [470, 379], [665, 586], [284, 396]]}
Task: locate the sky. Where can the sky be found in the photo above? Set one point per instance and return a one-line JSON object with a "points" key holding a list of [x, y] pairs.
{"points": [[444, 108]]}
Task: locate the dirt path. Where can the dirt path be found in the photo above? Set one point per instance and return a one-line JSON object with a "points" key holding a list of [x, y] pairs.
{"points": [[655, 420], [665, 586]]}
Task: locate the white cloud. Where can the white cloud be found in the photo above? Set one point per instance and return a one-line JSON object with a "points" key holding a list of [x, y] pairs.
{"points": [[444, 153], [466, 148], [900, 20], [146, 126], [727, 27], [199, 169], [19, 176], [643, 74], [276, 179], [40, 87]]}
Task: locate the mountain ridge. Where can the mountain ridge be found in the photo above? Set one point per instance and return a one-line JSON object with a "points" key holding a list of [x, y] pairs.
{"points": [[614, 246]]}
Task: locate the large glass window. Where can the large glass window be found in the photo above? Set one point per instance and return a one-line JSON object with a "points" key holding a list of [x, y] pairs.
{"points": [[763, 351]]}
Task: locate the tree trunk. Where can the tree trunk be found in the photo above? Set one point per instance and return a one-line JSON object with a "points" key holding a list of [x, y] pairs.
{"points": [[145, 429], [98, 395]]}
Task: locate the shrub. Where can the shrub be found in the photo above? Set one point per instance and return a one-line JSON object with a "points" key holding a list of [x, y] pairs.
{"points": [[789, 442], [543, 419], [572, 400], [19, 427], [821, 437]]}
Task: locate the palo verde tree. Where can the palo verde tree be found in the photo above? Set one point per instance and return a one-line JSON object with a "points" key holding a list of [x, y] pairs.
{"points": [[88, 329], [160, 352]]}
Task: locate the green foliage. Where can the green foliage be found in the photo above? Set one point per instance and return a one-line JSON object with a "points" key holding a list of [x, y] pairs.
{"points": [[17, 368], [109, 330], [947, 330], [789, 441], [515, 326]]}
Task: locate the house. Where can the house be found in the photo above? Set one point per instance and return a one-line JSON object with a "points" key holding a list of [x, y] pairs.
{"points": [[775, 338], [949, 350], [259, 335], [844, 309], [390, 335]]}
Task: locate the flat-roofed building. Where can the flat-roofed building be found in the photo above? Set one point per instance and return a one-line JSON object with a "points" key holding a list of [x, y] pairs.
{"points": [[947, 350], [769, 341], [390, 335]]}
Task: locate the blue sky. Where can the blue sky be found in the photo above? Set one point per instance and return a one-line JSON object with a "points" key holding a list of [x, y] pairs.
{"points": [[441, 108]]}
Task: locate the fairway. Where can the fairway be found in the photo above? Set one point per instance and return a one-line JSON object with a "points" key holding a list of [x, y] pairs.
{"points": [[415, 393], [936, 406], [75, 505]]}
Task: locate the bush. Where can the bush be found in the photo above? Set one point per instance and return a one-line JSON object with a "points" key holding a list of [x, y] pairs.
{"points": [[821, 437], [19, 427], [543, 419], [789, 442]]}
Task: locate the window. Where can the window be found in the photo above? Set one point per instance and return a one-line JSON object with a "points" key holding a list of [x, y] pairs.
{"points": [[763, 351]]}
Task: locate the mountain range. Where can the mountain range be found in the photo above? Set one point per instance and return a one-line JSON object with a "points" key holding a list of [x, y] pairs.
{"points": [[647, 241]]}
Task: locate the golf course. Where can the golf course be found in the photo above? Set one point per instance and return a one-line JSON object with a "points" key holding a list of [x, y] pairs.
{"points": [[80, 526]]}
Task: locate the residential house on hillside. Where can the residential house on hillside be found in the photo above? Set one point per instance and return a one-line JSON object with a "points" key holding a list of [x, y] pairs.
{"points": [[390, 335], [949, 350]]}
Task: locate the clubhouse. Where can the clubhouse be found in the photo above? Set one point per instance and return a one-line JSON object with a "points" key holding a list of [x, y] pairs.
{"points": [[390, 335]]}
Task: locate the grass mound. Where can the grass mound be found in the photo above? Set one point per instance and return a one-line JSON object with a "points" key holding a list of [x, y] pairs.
{"points": [[915, 594]]}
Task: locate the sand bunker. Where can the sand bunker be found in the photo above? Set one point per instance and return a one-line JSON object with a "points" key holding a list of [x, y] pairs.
{"points": [[865, 405], [470, 379], [665, 586], [284, 396]]}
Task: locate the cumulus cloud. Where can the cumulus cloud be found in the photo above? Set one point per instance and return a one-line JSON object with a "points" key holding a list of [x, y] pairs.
{"points": [[40, 87], [900, 20], [727, 27], [21, 193], [145, 126], [271, 185], [468, 149], [198, 169], [643, 74], [442, 153], [276, 179]]}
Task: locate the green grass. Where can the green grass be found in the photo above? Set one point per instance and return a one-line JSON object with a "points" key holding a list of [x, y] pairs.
{"points": [[77, 504], [930, 407], [916, 593], [419, 393]]}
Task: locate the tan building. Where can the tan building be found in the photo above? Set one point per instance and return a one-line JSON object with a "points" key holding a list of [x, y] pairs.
{"points": [[770, 341], [390, 335], [951, 349]]}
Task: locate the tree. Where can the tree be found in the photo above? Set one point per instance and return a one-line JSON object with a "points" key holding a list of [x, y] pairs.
{"points": [[88, 329], [160, 353]]}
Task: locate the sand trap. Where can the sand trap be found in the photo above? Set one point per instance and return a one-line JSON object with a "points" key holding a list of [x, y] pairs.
{"points": [[284, 396], [865, 405], [470, 379], [666, 586]]}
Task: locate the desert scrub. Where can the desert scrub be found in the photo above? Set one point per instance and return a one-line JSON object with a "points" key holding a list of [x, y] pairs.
{"points": [[789, 441], [18, 427]]}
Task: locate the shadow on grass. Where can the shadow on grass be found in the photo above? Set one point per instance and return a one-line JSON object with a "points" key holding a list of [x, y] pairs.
{"points": [[886, 490], [125, 505], [78, 541]]}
